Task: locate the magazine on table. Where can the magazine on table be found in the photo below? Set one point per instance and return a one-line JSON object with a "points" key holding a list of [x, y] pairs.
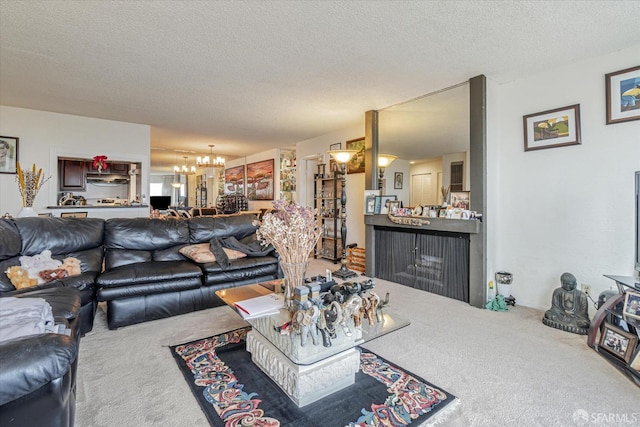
{"points": [[263, 305]]}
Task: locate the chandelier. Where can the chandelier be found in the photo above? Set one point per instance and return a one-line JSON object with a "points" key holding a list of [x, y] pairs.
{"points": [[211, 161], [184, 169]]}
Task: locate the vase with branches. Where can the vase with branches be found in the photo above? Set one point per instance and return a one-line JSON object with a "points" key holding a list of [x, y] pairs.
{"points": [[294, 232], [30, 181]]}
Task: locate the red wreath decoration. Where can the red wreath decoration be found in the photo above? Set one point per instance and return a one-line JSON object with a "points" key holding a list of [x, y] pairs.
{"points": [[100, 162]]}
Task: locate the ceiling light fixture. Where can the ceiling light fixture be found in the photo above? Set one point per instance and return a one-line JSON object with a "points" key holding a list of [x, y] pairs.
{"points": [[184, 169], [211, 161]]}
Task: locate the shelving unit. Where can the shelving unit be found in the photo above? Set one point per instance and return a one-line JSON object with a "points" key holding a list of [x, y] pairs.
{"points": [[288, 170], [610, 312], [327, 192]]}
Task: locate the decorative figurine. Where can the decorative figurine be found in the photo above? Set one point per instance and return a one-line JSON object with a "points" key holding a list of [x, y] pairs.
{"points": [[304, 321], [569, 308]]}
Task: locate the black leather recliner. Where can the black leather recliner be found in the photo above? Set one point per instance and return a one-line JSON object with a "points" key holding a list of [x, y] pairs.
{"points": [[38, 372], [64, 237]]}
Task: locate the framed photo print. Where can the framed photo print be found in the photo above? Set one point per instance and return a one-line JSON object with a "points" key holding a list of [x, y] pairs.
{"points": [[356, 164], [552, 128], [8, 154], [336, 146], [631, 304], [623, 95], [382, 204], [461, 199], [370, 201], [617, 342], [397, 181], [394, 206]]}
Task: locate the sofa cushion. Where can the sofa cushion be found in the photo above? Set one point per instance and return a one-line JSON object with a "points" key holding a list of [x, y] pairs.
{"points": [[203, 229], [201, 253], [148, 278]]}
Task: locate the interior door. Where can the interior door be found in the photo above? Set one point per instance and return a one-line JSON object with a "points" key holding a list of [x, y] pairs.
{"points": [[421, 190]]}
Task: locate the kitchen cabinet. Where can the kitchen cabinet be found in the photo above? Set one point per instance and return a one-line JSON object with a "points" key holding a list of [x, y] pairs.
{"points": [[119, 168], [72, 175]]}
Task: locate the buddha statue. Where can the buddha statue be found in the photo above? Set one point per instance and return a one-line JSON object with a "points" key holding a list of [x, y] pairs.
{"points": [[569, 307]]}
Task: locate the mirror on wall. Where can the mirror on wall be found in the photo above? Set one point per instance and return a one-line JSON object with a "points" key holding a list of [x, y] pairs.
{"points": [[430, 137]]}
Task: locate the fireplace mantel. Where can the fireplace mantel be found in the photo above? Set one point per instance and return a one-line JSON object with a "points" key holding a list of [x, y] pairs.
{"points": [[471, 229]]}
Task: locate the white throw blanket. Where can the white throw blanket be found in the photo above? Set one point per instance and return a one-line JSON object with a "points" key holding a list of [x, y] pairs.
{"points": [[24, 316]]}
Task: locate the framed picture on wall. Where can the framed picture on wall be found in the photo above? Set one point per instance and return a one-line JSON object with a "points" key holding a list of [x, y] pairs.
{"points": [[397, 181], [356, 164], [623, 95], [234, 180], [553, 128], [617, 342], [260, 180], [8, 154]]}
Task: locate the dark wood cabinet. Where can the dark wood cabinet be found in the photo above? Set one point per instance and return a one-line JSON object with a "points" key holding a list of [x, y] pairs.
{"points": [[72, 175], [92, 169], [119, 168]]}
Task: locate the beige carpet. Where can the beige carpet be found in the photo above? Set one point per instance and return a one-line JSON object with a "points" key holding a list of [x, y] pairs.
{"points": [[506, 368]]}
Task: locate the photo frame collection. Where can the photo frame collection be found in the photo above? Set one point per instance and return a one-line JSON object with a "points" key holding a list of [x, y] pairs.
{"points": [[560, 127]]}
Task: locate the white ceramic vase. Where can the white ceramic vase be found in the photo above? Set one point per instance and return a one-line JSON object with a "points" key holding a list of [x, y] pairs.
{"points": [[27, 211]]}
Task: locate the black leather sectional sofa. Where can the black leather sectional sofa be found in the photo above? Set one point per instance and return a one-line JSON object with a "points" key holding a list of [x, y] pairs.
{"points": [[132, 264]]}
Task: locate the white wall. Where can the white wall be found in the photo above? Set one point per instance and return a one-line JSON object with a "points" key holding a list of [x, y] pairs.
{"points": [[355, 182], [568, 208], [43, 136]]}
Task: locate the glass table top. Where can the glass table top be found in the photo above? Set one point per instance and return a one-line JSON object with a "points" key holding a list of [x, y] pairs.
{"points": [[347, 335]]}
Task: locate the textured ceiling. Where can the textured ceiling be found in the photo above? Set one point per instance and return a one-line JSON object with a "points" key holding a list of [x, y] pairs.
{"points": [[252, 75]]}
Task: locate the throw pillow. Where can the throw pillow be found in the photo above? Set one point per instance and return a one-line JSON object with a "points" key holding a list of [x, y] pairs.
{"points": [[201, 253]]}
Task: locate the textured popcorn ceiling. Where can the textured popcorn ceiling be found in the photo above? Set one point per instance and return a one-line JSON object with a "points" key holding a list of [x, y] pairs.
{"points": [[252, 75]]}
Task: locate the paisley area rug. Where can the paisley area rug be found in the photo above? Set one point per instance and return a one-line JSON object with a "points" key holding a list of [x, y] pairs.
{"points": [[232, 391]]}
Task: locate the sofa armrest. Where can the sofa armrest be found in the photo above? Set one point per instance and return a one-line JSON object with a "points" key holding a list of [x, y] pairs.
{"points": [[28, 363]]}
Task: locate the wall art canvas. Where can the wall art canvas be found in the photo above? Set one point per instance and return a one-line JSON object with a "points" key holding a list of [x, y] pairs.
{"points": [[356, 164], [8, 154], [623, 95], [260, 180], [553, 128], [234, 180]]}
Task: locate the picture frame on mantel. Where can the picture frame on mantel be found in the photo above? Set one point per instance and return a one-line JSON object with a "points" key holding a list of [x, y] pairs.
{"points": [[623, 95], [8, 154], [559, 127]]}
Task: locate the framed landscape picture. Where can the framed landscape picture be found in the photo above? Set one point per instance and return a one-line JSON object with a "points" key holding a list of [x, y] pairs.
{"points": [[260, 180], [618, 342], [623, 95], [356, 164], [553, 128], [8, 154], [234, 180]]}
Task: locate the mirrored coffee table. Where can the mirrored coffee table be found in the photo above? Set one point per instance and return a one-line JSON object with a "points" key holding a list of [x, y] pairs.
{"points": [[307, 373]]}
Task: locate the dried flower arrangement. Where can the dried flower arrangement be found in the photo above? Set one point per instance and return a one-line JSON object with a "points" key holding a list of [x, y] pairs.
{"points": [[291, 229], [29, 183]]}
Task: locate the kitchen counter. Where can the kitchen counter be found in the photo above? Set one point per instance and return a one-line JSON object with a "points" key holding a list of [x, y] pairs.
{"points": [[100, 210]]}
